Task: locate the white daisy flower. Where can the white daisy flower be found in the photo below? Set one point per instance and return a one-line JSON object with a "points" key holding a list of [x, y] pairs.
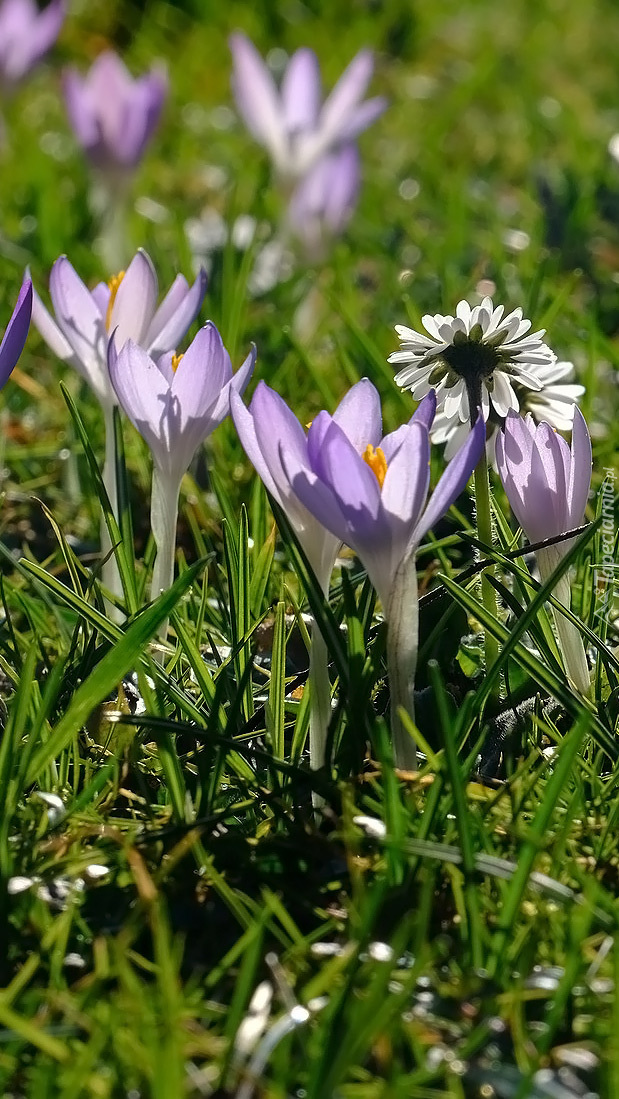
{"points": [[485, 358]]}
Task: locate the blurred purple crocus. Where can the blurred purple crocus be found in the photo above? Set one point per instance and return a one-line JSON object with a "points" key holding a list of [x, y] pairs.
{"points": [[26, 34], [323, 202], [547, 485], [290, 121], [16, 331], [367, 491], [114, 116], [175, 403]]}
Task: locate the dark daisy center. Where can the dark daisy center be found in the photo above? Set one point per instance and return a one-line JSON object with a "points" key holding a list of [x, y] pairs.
{"points": [[471, 359]]}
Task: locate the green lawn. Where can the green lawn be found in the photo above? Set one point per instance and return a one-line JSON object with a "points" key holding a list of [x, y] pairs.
{"points": [[450, 932]]}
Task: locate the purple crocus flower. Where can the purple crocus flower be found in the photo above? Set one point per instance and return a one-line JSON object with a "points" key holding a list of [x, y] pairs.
{"points": [[26, 34], [323, 202], [126, 305], [367, 491], [84, 322], [374, 500], [547, 485], [16, 331], [175, 403], [114, 116], [290, 121]]}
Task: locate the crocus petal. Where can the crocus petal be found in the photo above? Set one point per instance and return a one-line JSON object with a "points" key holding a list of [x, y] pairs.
{"points": [[49, 330], [135, 301], [237, 384], [426, 410], [453, 480], [201, 374], [362, 117], [257, 97], [547, 507], [346, 94], [245, 426], [359, 415], [580, 473], [143, 393], [167, 329], [351, 481], [314, 495], [300, 91], [407, 479], [80, 109], [16, 331], [277, 429], [79, 320]]}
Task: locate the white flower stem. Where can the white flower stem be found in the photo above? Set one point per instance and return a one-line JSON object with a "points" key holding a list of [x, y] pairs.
{"points": [[110, 204], [484, 533], [402, 614], [570, 638], [109, 573], [163, 518], [320, 698]]}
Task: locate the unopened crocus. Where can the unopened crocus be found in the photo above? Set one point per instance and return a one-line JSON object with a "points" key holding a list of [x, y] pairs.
{"points": [[547, 484], [175, 403], [291, 122], [84, 320], [114, 116], [268, 429], [26, 34], [370, 492], [323, 202], [16, 331]]}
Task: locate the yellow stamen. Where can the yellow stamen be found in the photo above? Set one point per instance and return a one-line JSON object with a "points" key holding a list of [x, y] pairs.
{"points": [[376, 461], [176, 360], [307, 426], [113, 284]]}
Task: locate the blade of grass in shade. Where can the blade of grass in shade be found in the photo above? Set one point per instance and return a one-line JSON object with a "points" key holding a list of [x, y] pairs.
{"points": [[275, 713], [168, 756], [244, 987], [111, 669], [534, 842], [544, 677], [461, 810], [124, 559], [12, 738], [261, 572]]}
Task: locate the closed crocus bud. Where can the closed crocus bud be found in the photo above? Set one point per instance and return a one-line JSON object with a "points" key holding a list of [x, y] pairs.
{"points": [[26, 34], [547, 484], [114, 116]]}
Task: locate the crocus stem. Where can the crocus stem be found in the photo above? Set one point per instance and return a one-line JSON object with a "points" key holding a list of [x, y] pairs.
{"points": [[484, 533], [570, 639], [402, 647], [109, 573], [110, 204], [320, 698], [163, 518]]}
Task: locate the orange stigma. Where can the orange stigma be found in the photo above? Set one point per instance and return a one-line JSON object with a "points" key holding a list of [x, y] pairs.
{"points": [[176, 360], [376, 461], [113, 284]]}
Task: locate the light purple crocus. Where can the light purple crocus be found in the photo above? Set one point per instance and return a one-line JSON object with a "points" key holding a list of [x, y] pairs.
{"points": [[175, 403], [323, 202], [26, 34], [366, 490], [114, 116], [547, 484], [16, 331], [84, 322], [290, 121]]}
